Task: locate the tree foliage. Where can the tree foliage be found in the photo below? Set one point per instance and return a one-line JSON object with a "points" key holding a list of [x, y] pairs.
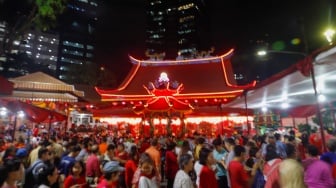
{"points": [[90, 74], [22, 15], [47, 12]]}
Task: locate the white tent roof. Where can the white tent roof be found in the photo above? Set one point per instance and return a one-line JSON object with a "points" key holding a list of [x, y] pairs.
{"points": [[294, 88]]}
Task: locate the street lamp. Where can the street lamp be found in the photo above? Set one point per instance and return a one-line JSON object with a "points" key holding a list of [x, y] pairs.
{"points": [[329, 34], [262, 53], [265, 52]]}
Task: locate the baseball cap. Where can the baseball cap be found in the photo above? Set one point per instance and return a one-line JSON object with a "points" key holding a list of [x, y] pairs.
{"points": [[112, 166], [22, 152]]}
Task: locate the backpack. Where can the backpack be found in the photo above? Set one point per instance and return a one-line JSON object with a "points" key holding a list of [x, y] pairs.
{"points": [[30, 180]]}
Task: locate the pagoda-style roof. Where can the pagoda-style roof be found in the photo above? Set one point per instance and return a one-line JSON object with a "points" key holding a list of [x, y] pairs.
{"points": [[206, 80], [39, 86]]}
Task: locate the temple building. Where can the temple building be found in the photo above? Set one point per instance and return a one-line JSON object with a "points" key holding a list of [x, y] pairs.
{"points": [[177, 88]]}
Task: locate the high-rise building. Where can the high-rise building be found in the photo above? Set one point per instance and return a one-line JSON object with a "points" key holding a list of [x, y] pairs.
{"points": [[33, 49], [3, 31], [64, 50], [42, 47], [76, 43], [174, 29]]}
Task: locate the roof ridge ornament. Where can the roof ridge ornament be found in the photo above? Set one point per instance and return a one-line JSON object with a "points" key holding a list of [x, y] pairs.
{"points": [[198, 60], [163, 86], [163, 98]]}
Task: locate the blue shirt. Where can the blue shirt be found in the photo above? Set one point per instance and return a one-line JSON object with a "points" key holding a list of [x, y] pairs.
{"points": [[329, 157], [66, 163], [281, 149], [219, 156]]}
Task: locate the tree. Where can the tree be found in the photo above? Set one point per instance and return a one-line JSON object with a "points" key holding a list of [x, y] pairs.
{"points": [[90, 74], [106, 78], [22, 15]]}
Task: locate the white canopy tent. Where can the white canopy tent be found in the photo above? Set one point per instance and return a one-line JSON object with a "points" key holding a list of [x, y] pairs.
{"points": [[292, 87]]}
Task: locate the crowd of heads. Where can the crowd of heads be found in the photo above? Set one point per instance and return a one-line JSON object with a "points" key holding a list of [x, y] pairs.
{"points": [[114, 152]]}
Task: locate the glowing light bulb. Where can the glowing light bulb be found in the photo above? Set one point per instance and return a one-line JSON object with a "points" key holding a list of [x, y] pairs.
{"points": [[284, 105], [163, 77], [321, 98]]}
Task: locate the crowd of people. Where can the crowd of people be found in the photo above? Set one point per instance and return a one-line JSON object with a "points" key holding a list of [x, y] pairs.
{"points": [[271, 160]]}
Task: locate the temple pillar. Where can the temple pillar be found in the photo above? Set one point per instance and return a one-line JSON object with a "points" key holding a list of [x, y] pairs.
{"points": [[183, 128], [151, 127], [168, 126]]}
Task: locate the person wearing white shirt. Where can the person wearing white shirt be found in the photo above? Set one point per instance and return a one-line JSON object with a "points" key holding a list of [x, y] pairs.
{"points": [[182, 179], [148, 177], [197, 167], [145, 182]]}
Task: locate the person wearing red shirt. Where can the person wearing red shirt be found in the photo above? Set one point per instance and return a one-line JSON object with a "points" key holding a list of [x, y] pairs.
{"points": [[35, 131], [239, 139], [121, 157], [111, 171], [207, 175], [171, 165], [144, 145], [76, 178], [92, 165], [271, 167], [239, 177], [131, 166], [121, 154]]}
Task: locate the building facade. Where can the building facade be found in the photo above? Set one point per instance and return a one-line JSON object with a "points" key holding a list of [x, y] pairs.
{"points": [[33, 51], [175, 29], [62, 51], [42, 48], [76, 45], [3, 30]]}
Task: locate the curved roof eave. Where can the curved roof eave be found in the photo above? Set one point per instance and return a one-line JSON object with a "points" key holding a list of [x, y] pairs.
{"points": [[137, 64]]}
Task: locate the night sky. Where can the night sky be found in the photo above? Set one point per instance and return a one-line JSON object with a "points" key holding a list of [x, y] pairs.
{"points": [[232, 24]]}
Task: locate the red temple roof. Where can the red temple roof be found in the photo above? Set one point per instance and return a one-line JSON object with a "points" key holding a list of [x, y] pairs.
{"points": [[206, 78]]}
